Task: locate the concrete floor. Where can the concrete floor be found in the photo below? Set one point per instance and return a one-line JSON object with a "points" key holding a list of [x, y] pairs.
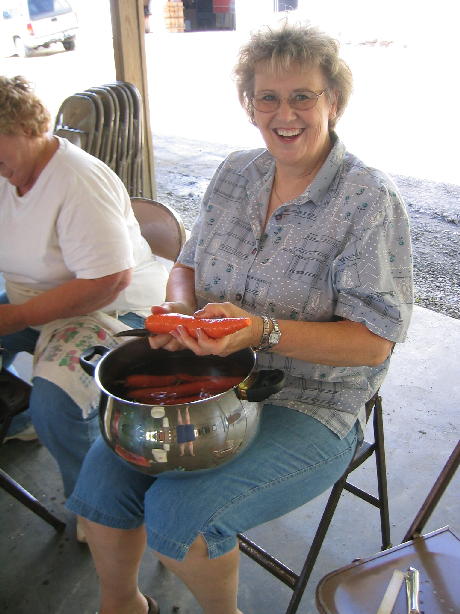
{"points": [[49, 573]]}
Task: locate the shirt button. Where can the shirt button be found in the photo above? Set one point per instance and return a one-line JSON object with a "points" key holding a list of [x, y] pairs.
{"points": [[278, 216], [239, 297]]}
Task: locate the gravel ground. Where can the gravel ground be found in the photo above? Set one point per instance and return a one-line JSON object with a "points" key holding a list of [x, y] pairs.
{"points": [[433, 209]]}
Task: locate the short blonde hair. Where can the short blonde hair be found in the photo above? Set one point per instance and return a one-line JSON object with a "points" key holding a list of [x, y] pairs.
{"points": [[21, 111], [302, 45]]}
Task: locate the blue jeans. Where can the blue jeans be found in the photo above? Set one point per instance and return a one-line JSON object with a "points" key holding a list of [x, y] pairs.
{"points": [[292, 459], [56, 417]]}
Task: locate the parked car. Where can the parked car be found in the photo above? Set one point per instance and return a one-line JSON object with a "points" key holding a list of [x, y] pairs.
{"points": [[26, 25]]}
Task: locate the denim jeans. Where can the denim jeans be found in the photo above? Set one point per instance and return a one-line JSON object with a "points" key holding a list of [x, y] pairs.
{"points": [[292, 459], [56, 417]]}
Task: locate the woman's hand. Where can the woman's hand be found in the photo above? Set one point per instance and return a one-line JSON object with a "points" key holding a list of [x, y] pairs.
{"points": [[224, 346], [167, 341]]}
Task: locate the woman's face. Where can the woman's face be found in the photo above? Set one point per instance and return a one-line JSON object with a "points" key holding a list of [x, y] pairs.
{"points": [[18, 158], [294, 137]]}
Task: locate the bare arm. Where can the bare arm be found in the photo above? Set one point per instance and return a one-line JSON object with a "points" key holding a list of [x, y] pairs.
{"points": [[337, 344], [181, 287], [73, 298], [341, 344]]}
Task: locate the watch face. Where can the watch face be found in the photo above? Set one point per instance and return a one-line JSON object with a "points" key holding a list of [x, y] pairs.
{"points": [[275, 334]]}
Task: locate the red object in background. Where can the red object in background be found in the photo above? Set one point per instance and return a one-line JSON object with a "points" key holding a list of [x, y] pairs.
{"points": [[221, 6]]}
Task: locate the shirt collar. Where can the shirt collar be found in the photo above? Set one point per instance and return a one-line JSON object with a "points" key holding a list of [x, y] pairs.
{"points": [[317, 190]]}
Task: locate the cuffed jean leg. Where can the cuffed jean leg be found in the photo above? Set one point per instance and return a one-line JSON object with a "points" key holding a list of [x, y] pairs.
{"points": [[293, 459], [62, 429]]}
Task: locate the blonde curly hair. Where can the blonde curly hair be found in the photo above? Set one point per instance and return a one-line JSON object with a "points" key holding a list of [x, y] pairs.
{"points": [[293, 44], [21, 111]]}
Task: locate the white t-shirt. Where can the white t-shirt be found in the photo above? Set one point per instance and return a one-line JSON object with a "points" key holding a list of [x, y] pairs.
{"points": [[75, 222]]}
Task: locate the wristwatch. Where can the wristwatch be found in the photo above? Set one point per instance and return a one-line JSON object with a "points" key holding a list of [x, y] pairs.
{"points": [[275, 334], [271, 334]]}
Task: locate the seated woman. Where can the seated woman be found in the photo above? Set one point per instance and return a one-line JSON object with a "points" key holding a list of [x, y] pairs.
{"points": [[75, 265], [313, 246]]}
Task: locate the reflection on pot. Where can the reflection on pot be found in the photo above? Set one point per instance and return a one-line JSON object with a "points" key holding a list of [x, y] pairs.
{"points": [[185, 436]]}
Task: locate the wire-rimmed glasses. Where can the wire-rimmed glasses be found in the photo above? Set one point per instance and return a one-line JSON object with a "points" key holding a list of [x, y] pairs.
{"points": [[301, 100]]}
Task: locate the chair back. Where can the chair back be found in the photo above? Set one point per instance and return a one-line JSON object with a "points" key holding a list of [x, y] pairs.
{"points": [[161, 227]]}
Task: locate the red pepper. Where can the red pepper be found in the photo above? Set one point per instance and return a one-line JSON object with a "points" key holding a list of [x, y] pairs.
{"points": [[214, 327], [146, 381], [186, 377], [170, 395]]}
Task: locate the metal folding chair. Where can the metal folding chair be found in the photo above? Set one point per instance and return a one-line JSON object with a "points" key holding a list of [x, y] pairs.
{"points": [[136, 140], [76, 120], [374, 584], [106, 121], [14, 398], [161, 226], [105, 151], [298, 581]]}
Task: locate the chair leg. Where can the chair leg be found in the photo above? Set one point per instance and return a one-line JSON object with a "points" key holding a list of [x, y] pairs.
{"points": [[434, 495], [299, 582], [316, 544], [22, 495], [381, 473]]}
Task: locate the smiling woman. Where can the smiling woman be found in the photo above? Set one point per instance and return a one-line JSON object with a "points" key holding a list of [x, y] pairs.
{"points": [[312, 247]]}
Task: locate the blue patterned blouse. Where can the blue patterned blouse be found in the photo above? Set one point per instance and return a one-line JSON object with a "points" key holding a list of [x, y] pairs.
{"points": [[340, 250]]}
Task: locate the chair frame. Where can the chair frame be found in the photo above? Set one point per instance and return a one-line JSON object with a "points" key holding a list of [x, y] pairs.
{"points": [[7, 411], [415, 549], [298, 581]]}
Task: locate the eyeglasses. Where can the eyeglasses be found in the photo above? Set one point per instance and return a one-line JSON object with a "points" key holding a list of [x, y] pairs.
{"points": [[302, 100]]}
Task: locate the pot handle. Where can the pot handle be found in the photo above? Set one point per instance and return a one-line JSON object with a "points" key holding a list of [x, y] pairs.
{"points": [[266, 383], [88, 355]]}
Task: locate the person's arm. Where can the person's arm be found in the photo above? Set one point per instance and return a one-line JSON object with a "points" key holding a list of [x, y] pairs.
{"points": [[338, 344], [73, 298], [181, 288], [342, 344]]}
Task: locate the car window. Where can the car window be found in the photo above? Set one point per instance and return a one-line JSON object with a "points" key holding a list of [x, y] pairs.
{"points": [[44, 8]]}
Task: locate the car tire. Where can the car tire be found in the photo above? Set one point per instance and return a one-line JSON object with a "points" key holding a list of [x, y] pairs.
{"points": [[22, 50], [69, 44]]}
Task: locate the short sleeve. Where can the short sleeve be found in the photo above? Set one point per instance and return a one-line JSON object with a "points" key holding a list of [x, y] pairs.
{"points": [[373, 274]]}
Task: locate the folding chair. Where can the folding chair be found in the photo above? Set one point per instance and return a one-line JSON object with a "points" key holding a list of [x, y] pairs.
{"points": [[106, 121], [76, 120], [137, 178], [374, 584], [298, 581], [105, 152], [122, 150], [161, 227], [99, 122], [14, 398]]}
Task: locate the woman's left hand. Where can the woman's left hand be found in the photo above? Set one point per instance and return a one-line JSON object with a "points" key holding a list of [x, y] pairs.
{"points": [[204, 345]]}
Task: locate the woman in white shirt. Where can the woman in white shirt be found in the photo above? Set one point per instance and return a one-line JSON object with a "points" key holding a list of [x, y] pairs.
{"points": [[75, 264]]}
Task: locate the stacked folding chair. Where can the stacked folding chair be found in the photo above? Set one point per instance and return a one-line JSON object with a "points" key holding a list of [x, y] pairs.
{"points": [[106, 121]]}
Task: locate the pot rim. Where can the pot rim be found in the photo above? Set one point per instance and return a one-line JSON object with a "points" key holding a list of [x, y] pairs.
{"points": [[100, 365]]}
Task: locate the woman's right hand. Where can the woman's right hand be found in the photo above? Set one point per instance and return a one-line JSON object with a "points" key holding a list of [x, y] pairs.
{"points": [[167, 341]]}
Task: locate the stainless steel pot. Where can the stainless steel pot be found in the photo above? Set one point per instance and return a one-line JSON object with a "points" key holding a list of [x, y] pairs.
{"points": [[188, 436]]}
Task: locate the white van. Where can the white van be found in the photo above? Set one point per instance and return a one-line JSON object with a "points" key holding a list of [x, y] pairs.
{"points": [[26, 25]]}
